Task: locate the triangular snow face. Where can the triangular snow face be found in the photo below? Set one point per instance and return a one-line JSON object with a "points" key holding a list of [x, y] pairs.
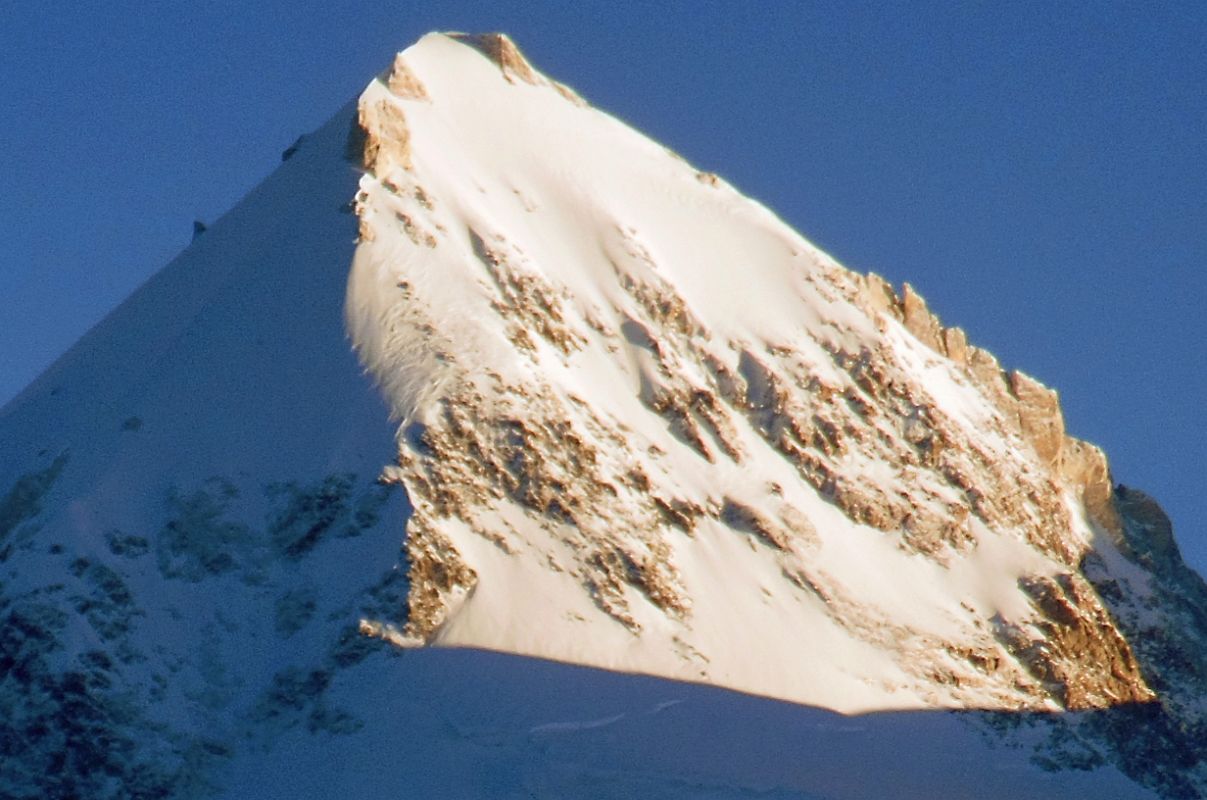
{"points": [[637, 423], [649, 427]]}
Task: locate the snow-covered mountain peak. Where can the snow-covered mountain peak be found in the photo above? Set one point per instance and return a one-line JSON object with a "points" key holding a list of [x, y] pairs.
{"points": [[631, 420], [647, 426]]}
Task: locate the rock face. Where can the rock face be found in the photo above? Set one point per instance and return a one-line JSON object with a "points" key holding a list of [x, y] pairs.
{"points": [[634, 422]]}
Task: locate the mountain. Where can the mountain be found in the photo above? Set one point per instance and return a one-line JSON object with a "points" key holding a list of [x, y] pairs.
{"points": [[490, 449]]}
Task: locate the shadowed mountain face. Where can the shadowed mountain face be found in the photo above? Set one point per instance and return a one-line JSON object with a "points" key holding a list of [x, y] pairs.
{"points": [[638, 438], [477, 724], [1161, 606]]}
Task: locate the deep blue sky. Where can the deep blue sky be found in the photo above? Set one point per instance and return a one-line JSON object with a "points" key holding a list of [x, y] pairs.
{"points": [[1038, 171]]}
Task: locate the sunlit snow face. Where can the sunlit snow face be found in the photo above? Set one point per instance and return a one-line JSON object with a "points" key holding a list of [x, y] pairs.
{"points": [[634, 403]]}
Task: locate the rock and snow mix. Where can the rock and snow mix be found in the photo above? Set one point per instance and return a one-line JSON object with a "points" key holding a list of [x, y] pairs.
{"points": [[631, 421], [646, 426]]}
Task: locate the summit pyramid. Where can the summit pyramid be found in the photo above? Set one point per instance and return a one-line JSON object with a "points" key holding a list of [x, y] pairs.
{"points": [[488, 448]]}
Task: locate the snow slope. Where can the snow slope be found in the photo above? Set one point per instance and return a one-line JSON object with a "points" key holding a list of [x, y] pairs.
{"points": [[454, 723], [632, 408], [630, 421], [187, 495]]}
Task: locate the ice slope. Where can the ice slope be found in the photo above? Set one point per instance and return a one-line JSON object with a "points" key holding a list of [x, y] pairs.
{"points": [[648, 427]]}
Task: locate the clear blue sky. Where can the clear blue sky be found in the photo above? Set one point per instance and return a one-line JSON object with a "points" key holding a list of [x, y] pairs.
{"points": [[1038, 171]]}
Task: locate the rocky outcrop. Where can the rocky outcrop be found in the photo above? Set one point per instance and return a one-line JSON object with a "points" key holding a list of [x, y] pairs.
{"points": [[1040, 419], [1074, 630], [919, 321], [1027, 406], [402, 83], [437, 576], [387, 140], [499, 48], [1085, 467], [380, 139], [1076, 626], [486, 448]]}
